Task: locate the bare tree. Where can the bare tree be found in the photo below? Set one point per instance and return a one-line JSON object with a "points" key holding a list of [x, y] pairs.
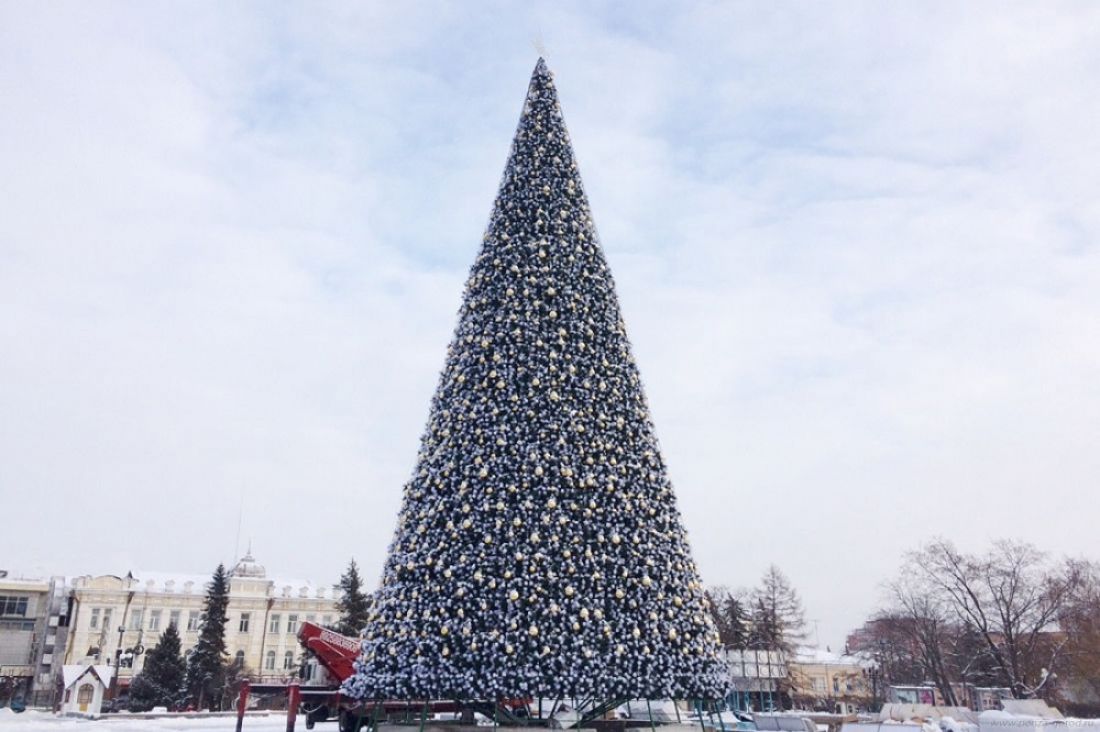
{"points": [[778, 620], [1011, 596], [925, 619], [886, 639], [969, 658], [1080, 620]]}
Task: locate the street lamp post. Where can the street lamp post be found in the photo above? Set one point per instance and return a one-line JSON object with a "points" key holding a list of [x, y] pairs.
{"points": [[118, 663]]}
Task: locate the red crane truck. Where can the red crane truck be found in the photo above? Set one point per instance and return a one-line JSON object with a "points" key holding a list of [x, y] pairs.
{"points": [[336, 653]]}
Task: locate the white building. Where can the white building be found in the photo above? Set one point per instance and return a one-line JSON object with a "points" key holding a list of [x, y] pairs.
{"points": [[32, 637], [110, 613], [85, 689]]}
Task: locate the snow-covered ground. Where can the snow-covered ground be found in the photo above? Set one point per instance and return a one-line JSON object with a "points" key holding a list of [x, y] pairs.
{"points": [[31, 721]]}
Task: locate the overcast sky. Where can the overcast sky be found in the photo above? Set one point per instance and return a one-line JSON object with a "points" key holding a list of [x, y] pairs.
{"points": [[855, 245]]}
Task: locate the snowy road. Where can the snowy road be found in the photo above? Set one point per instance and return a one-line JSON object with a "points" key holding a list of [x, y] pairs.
{"points": [[31, 721]]}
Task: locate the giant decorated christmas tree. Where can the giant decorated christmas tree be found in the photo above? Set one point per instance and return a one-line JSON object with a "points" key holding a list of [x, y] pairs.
{"points": [[538, 549]]}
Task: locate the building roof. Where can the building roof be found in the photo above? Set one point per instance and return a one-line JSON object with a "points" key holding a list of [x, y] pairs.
{"points": [[247, 566], [19, 584], [72, 673], [247, 569], [825, 657], [156, 581]]}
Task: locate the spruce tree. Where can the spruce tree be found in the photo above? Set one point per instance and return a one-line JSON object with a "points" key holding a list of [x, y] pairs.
{"points": [[729, 617], [354, 604], [161, 681], [206, 664], [538, 549], [764, 634], [739, 620]]}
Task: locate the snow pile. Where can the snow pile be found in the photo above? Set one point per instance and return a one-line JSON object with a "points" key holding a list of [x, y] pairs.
{"points": [[35, 721], [998, 721], [950, 724], [7, 716], [987, 721]]}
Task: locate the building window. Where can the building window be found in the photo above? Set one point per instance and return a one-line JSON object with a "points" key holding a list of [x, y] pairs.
{"points": [[16, 625], [10, 605], [291, 623], [276, 621], [238, 660], [819, 683], [154, 619], [246, 618], [135, 619], [174, 618], [836, 686], [93, 623], [193, 620], [106, 619], [270, 664], [288, 660], [326, 621], [311, 618]]}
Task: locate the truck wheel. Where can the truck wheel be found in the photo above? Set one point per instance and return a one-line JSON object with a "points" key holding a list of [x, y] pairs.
{"points": [[315, 713], [350, 721]]}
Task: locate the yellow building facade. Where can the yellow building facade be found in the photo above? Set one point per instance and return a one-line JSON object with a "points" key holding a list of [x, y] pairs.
{"points": [[829, 682], [118, 618]]}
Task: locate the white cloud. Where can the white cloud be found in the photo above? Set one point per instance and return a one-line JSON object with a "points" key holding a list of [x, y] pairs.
{"points": [[855, 249]]}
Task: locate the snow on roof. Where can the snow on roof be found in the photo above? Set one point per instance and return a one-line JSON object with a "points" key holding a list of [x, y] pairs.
{"points": [[294, 582], [823, 656], [154, 581], [160, 581], [246, 569], [1030, 708], [74, 672], [312, 589], [29, 584]]}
